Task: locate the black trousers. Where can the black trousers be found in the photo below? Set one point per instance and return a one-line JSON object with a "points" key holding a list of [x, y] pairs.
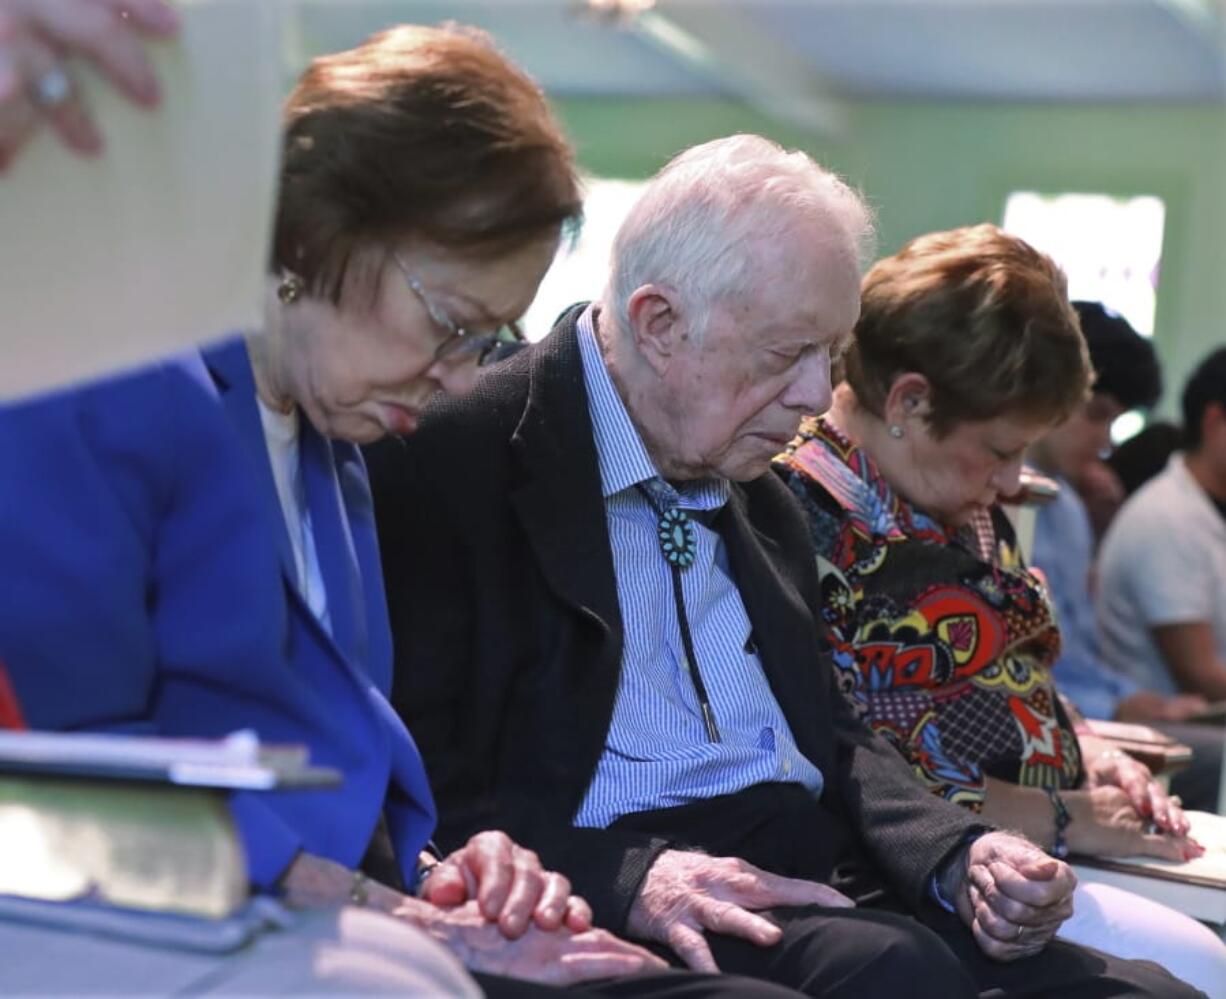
{"points": [[675, 984], [880, 948]]}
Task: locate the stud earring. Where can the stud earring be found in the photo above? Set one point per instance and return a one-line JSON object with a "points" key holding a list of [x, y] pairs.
{"points": [[895, 431], [290, 289]]}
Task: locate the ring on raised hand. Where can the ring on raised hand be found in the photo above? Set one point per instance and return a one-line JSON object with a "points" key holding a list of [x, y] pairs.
{"points": [[51, 89], [1018, 935]]}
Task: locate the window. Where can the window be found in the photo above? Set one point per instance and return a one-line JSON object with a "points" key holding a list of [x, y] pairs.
{"points": [[578, 272], [1111, 249]]}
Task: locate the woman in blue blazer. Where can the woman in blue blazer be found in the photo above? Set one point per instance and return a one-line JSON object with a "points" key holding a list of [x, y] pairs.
{"points": [[190, 549]]}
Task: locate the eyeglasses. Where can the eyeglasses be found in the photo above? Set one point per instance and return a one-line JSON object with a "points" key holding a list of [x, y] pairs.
{"points": [[461, 344]]}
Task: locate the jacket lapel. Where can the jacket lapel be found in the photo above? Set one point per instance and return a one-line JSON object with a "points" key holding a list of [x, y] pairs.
{"points": [[333, 544], [559, 505], [360, 511], [784, 629]]}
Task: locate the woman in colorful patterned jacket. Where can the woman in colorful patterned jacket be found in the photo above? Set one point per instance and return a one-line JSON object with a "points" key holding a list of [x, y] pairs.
{"points": [[965, 353]]}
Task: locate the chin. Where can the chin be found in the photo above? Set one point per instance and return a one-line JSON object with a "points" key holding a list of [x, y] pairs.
{"points": [[745, 471], [355, 429]]}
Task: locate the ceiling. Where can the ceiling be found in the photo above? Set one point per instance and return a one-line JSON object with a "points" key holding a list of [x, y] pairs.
{"points": [[811, 54]]}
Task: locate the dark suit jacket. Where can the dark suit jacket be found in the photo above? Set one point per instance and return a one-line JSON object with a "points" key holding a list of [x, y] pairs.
{"points": [[509, 638]]}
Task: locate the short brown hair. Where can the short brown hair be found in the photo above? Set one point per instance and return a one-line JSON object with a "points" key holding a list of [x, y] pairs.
{"points": [[984, 317], [417, 132]]}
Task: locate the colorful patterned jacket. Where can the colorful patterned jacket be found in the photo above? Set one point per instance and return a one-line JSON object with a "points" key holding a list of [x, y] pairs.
{"points": [[943, 640]]}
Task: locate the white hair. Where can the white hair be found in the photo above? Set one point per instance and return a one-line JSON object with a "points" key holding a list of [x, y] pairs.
{"points": [[689, 228]]}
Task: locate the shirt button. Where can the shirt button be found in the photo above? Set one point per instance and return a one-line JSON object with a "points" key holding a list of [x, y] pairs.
{"points": [[787, 766]]}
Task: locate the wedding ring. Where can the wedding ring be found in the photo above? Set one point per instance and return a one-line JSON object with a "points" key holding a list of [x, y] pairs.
{"points": [[51, 89], [1018, 935]]}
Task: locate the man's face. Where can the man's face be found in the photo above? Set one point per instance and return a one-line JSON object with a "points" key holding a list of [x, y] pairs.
{"points": [[1081, 439], [736, 393]]}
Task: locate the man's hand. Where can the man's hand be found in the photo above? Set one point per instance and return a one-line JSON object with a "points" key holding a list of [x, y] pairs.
{"points": [[557, 957], [685, 894], [36, 35], [509, 886], [1013, 896]]}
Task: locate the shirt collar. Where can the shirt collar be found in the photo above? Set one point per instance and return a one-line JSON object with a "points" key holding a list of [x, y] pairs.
{"points": [[621, 454]]}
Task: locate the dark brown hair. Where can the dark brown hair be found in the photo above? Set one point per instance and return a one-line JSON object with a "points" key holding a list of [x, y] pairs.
{"points": [[984, 317], [418, 132]]}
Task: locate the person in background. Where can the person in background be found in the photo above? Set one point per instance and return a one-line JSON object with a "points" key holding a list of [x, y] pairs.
{"points": [[966, 353], [1126, 377], [190, 548], [1104, 485], [1162, 566], [36, 89], [605, 609], [1144, 455]]}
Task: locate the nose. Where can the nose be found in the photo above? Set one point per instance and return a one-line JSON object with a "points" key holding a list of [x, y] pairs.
{"points": [[454, 378], [1007, 477], [810, 391]]}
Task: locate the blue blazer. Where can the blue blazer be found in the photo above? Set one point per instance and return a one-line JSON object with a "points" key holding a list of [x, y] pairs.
{"points": [[148, 586]]}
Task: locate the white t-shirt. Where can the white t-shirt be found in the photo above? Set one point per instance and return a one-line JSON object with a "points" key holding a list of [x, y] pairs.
{"points": [[281, 434], [1163, 561]]}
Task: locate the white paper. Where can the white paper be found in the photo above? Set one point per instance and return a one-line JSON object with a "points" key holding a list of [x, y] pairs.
{"points": [[162, 241]]}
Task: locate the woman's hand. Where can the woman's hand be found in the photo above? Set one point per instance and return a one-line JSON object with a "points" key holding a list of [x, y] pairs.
{"points": [[509, 885], [1149, 799], [37, 35], [556, 957], [559, 956], [1105, 823]]}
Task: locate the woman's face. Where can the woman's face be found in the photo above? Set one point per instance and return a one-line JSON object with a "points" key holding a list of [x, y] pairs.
{"points": [[968, 469], [366, 369]]}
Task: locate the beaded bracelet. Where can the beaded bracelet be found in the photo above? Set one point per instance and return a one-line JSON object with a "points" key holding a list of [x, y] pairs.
{"points": [[1063, 820]]}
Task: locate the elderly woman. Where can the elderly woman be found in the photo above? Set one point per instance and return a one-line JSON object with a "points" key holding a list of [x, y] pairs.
{"points": [[190, 549], [965, 353]]}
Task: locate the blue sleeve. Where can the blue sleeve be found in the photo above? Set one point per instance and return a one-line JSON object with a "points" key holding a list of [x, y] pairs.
{"points": [[93, 480], [1061, 552]]}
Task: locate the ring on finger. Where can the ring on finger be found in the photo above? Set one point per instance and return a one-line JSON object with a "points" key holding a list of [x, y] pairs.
{"points": [[51, 89], [1018, 935]]}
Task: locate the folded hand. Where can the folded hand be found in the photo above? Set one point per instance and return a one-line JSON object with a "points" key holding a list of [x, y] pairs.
{"points": [[1013, 896], [509, 885]]}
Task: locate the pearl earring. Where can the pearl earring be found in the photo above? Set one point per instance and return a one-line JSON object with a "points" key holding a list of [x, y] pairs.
{"points": [[895, 431]]}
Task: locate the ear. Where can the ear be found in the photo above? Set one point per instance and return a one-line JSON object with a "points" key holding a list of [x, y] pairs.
{"points": [[656, 324], [909, 398]]}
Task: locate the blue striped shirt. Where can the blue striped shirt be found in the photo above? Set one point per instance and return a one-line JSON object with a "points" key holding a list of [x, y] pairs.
{"points": [[657, 753]]}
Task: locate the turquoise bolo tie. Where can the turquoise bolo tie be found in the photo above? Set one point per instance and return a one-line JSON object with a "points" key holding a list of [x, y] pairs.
{"points": [[679, 546], [677, 542]]}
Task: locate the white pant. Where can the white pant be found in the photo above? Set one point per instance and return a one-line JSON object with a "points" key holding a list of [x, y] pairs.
{"points": [[1120, 923], [335, 952]]}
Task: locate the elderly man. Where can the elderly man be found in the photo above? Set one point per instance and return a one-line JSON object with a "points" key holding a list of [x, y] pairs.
{"points": [[605, 622]]}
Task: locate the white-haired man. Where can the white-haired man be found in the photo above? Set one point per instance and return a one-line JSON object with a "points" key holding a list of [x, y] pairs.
{"points": [[605, 616]]}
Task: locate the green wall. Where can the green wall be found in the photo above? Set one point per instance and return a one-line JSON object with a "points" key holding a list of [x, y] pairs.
{"points": [[930, 166]]}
